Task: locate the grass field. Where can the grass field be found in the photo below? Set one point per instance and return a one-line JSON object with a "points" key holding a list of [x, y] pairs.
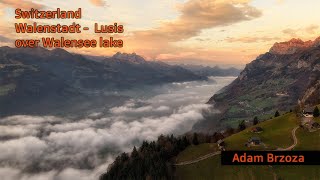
{"points": [[193, 152], [277, 133], [297, 172], [212, 169], [308, 140]]}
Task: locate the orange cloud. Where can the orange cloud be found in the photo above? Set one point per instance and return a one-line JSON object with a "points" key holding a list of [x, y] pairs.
{"points": [[4, 39], [312, 29], [291, 32], [309, 30], [23, 4], [251, 39], [209, 55], [97, 2], [196, 15], [162, 42]]}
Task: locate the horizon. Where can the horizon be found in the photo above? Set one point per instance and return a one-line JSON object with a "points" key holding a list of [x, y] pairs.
{"points": [[181, 61], [170, 62], [188, 31]]}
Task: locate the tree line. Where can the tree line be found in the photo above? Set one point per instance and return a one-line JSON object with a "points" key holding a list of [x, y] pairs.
{"points": [[155, 159]]}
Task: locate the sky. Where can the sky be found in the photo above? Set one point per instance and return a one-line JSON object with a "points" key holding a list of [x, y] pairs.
{"points": [[225, 32]]}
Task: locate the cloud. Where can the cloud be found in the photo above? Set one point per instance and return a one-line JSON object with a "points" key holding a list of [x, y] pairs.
{"points": [[164, 39], [197, 15], [312, 29], [291, 32], [203, 39], [62, 148], [65, 127], [21, 151], [23, 4], [5, 39], [309, 30], [18, 131], [21, 119], [131, 109], [251, 39], [97, 2]]}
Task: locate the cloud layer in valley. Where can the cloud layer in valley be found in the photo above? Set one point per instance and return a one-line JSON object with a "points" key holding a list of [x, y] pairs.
{"points": [[48, 147]]}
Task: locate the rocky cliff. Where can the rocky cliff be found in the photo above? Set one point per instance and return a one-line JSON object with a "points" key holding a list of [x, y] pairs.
{"points": [[287, 75]]}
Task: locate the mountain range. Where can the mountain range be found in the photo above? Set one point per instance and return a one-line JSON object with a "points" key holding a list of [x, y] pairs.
{"points": [[286, 77], [41, 81], [212, 71]]}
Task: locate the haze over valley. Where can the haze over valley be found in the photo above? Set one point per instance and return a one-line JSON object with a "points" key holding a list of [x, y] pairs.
{"points": [[48, 147]]}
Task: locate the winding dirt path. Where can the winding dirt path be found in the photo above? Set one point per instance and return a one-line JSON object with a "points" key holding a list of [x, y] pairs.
{"points": [[198, 159], [295, 141]]}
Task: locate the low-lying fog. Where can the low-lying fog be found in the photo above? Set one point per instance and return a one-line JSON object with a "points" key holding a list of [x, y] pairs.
{"points": [[47, 147]]}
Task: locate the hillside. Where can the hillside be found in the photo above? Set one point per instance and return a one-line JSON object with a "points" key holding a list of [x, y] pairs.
{"points": [[278, 80], [41, 81], [211, 71], [276, 134]]}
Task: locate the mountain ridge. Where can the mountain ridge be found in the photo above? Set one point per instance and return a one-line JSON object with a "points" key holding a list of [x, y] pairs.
{"points": [[293, 45], [272, 82], [37, 80]]}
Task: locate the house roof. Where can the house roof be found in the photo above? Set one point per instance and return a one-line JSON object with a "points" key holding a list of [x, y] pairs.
{"points": [[220, 141], [254, 139], [257, 129]]}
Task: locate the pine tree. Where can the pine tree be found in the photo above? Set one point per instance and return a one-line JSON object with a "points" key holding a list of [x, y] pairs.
{"points": [[185, 142], [255, 120], [134, 153], [316, 112], [195, 140], [242, 125]]}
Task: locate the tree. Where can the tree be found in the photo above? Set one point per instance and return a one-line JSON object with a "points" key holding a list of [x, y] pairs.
{"points": [[195, 140], [185, 142], [229, 131], [255, 120], [316, 112], [134, 153], [277, 114], [242, 125], [124, 157]]}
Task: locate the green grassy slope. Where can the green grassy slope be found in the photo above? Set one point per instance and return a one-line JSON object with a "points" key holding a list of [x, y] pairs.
{"points": [[193, 152], [277, 133], [308, 140], [212, 169]]}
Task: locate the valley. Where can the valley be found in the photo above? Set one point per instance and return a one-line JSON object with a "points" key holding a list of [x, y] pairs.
{"points": [[67, 104], [276, 89], [56, 82]]}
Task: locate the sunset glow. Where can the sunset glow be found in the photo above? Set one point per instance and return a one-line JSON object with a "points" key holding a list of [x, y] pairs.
{"points": [[204, 31]]}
